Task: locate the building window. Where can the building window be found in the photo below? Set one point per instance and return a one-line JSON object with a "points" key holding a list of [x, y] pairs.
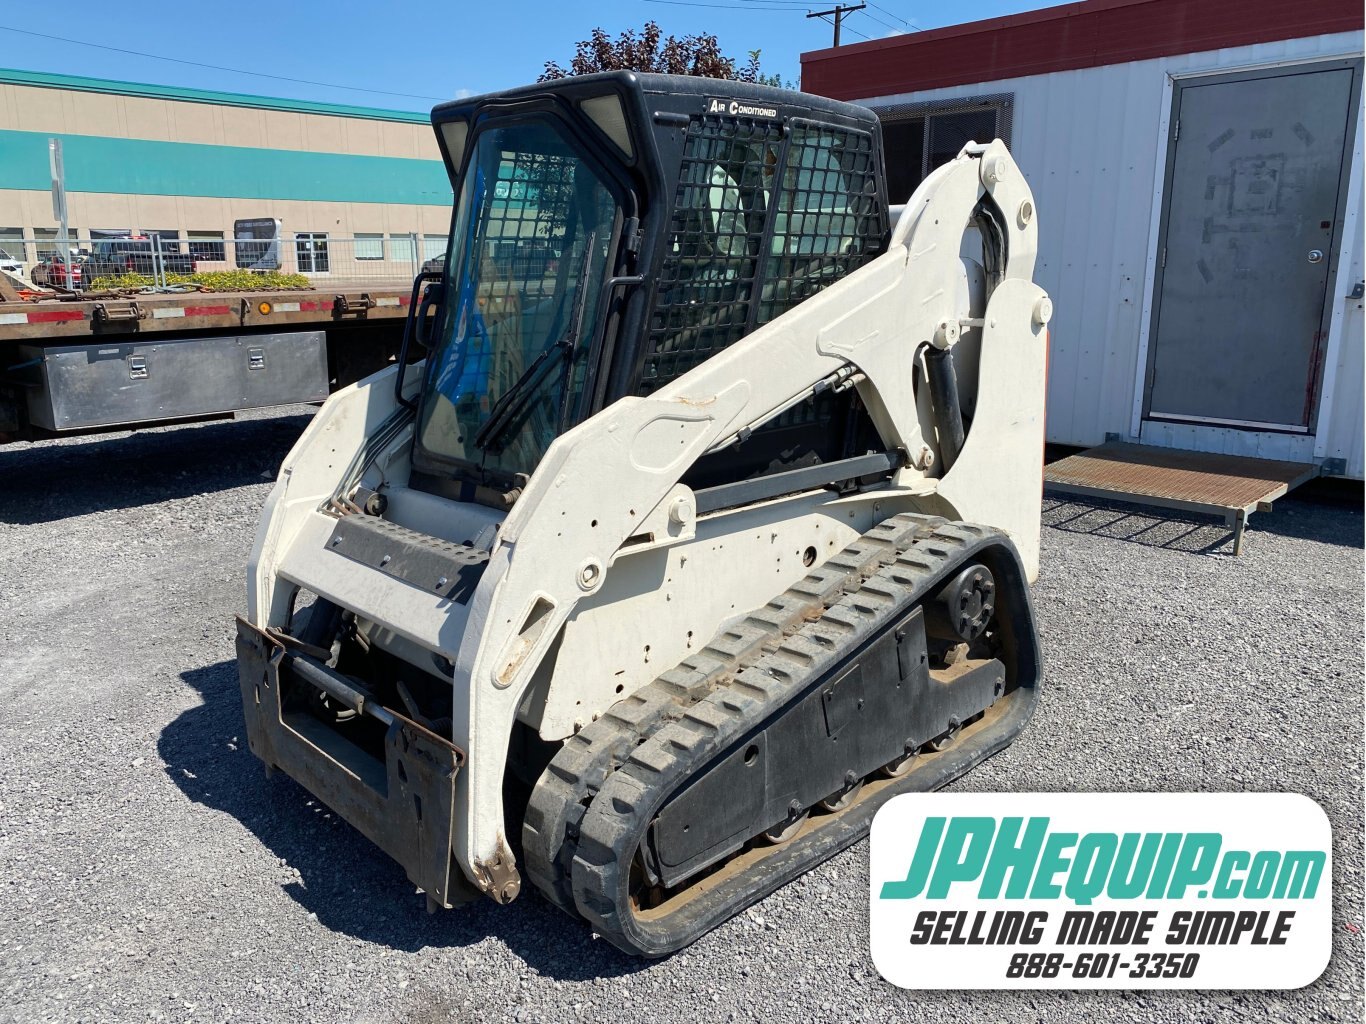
{"points": [[12, 244], [403, 248], [207, 245], [919, 137], [310, 252], [369, 247], [170, 239], [433, 246], [45, 241]]}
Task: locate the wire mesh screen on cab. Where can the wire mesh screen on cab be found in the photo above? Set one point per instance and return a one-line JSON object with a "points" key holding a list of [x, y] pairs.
{"points": [[760, 223]]}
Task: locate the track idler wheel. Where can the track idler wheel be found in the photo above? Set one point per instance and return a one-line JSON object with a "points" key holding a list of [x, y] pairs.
{"points": [[962, 610]]}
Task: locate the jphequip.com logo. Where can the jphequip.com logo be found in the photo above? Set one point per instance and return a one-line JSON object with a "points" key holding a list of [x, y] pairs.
{"points": [[1081, 890]]}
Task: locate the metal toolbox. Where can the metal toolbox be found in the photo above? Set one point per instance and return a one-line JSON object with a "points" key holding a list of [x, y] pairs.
{"points": [[112, 383]]}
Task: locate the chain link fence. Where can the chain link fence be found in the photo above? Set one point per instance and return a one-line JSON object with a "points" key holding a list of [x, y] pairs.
{"points": [[157, 259]]}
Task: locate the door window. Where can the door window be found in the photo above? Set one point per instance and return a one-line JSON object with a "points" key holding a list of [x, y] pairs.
{"points": [[310, 252], [532, 243]]}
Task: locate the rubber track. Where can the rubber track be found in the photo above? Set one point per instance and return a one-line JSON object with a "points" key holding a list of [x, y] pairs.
{"points": [[550, 829], [617, 816]]}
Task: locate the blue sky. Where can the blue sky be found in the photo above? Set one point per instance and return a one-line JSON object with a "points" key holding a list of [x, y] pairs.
{"points": [[412, 55]]}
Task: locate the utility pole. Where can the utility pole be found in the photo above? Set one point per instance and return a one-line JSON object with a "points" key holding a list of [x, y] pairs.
{"points": [[839, 12]]}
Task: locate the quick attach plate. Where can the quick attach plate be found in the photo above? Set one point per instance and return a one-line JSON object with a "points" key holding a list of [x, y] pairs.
{"points": [[437, 566], [402, 800]]}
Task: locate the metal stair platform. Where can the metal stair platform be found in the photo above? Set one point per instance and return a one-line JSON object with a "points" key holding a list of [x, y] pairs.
{"points": [[1233, 486]]}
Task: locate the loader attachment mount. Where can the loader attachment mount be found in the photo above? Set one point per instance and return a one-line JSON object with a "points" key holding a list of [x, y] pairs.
{"points": [[404, 803]]}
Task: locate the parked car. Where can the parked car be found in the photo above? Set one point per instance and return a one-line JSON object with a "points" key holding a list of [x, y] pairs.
{"points": [[435, 265], [133, 254], [51, 272], [10, 265]]}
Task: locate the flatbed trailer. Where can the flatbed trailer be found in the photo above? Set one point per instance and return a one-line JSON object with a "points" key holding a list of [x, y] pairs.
{"points": [[115, 360]]}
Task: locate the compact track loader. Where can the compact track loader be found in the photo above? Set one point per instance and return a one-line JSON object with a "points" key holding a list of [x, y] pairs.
{"points": [[705, 526]]}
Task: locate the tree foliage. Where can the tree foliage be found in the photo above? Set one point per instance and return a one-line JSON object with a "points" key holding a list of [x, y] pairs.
{"points": [[651, 50]]}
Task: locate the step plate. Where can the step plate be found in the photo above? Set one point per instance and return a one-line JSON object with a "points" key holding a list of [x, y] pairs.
{"points": [[437, 566]]}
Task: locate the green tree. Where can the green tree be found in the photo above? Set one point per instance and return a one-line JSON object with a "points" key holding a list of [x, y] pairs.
{"points": [[651, 50], [775, 79]]}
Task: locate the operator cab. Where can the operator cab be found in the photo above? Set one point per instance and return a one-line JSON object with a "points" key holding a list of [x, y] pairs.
{"points": [[611, 232]]}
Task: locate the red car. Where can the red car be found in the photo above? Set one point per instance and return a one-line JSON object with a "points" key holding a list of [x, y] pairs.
{"points": [[51, 272]]}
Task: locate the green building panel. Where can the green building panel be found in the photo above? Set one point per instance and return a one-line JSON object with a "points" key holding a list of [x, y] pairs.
{"points": [[96, 163]]}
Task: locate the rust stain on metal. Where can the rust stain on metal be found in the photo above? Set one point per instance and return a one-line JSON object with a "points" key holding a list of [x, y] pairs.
{"points": [[697, 403], [520, 649], [498, 876]]}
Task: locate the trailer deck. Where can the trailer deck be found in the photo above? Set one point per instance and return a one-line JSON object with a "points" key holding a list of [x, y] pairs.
{"points": [[59, 319], [110, 360]]}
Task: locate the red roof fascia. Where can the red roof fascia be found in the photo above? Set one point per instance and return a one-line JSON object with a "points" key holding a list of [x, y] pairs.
{"points": [[1092, 33]]}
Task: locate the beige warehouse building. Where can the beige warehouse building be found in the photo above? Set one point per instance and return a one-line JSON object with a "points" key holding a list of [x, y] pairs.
{"points": [[359, 191]]}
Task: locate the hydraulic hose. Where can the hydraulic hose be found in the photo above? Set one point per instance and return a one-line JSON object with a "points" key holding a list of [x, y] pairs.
{"points": [[948, 413]]}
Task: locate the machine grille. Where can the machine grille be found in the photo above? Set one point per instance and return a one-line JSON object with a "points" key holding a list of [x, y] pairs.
{"points": [[829, 220], [795, 213]]}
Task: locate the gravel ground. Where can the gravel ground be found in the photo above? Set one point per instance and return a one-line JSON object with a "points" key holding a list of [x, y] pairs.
{"points": [[148, 870]]}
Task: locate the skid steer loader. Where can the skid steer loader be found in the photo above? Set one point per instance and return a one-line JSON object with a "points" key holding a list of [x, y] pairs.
{"points": [[705, 527]]}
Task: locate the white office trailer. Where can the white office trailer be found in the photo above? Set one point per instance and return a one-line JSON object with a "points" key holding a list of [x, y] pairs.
{"points": [[1197, 166]]}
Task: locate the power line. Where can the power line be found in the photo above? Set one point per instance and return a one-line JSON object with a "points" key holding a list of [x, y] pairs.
{"points": [[884, 24], [779, 6], [219, 67], [839, 11], [846, 28], [912, 26]]}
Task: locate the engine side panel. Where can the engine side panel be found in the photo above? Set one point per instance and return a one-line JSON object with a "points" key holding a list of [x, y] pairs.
{"points": [[656, 607]]}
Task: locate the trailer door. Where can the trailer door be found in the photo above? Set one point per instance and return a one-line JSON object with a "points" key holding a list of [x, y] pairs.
{"points": [[1254, 196]]}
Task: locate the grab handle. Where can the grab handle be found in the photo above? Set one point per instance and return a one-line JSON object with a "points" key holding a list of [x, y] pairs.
{"points": [[417, 314]]}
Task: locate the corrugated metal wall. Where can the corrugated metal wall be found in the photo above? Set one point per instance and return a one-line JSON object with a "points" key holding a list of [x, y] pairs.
{"points": [[1089, 143]]}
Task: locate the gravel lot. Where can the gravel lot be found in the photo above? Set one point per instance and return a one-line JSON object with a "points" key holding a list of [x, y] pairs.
{"points": [[148, 870]]}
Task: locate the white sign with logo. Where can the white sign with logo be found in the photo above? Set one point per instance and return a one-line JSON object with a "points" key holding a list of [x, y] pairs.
{"points": [[1101, 890]]}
